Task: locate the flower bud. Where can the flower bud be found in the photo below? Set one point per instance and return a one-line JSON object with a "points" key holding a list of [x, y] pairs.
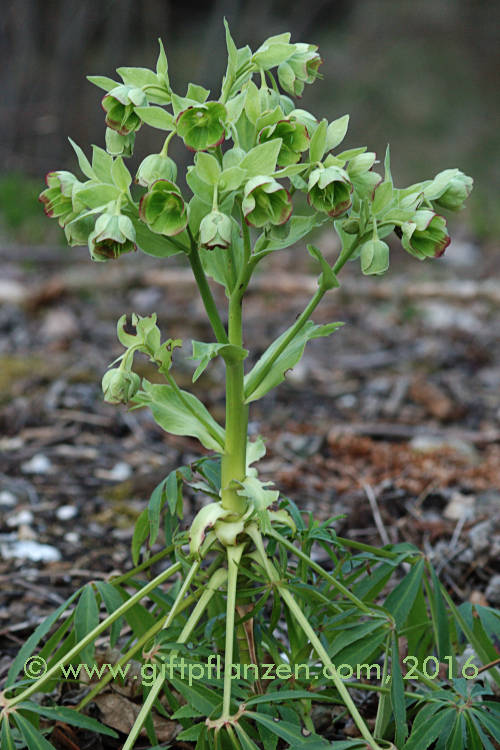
{"points": [[456, 193], [329, 190], [426, 235], [374, 257], [294, 139], [156, 167], [350, 226], [113, 236], [300, 68], [215, 230], [265, 201], [119, 386], [163, 209], [202, 126]]}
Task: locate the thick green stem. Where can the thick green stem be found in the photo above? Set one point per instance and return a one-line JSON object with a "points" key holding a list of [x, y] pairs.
{"points": [[206, 294], [234, 458]]}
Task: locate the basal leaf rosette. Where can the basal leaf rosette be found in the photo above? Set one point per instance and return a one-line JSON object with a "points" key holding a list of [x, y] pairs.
{"points": [[329, 190], [163, 209], [426, 236], [265, 201], [119, 107], [57, 198], [156, 167], [202, 126], [294, 136], [449, 189], [215, 230], [113, 235], [301, 68]]}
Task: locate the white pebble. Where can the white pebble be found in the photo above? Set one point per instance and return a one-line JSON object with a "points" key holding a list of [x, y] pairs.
{"points": [[18, 519], [120, 472], [30, 550], [39, 464], [66, 512], [7, 499]]}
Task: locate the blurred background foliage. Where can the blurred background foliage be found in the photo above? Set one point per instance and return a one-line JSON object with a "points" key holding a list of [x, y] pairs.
{"points": [[422, 76]]}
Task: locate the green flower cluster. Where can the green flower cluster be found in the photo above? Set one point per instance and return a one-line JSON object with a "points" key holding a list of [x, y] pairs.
{"points": [[254, 151]]}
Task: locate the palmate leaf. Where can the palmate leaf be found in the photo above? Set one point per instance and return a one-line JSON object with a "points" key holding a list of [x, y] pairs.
{"points": [[400, 600], [427, 732], [86, 619], [6, 738], [298, 738], [33, 738], [269, 372]]}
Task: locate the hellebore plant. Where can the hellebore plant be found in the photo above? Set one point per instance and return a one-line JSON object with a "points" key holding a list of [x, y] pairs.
{"points": [[255, 153]]}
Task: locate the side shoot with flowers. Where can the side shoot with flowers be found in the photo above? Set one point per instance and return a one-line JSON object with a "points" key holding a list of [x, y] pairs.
{"points": [[255, 156]]}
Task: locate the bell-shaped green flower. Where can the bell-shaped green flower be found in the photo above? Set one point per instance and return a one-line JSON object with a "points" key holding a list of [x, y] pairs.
{"points": [[215, 230], [265, 201], [202, 126], [113, 235], [449, 189], [119, 145], [78, 229], [120, 386], [163, 209], [299, 69], [425, 236], [156, 167], [294, 138], [57, 198], [374, 257], [329, 190], [119, 107]]}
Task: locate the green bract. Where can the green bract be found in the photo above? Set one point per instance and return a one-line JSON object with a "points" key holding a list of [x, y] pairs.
{"points": [[329, 190], [294, 140], [202, 126], [300, 68], [113, 236], [265, 201], [163, 209], [449, 189]]}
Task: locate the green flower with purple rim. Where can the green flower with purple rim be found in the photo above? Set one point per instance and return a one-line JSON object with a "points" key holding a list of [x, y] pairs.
{"points": [[57, 198], [202, 126], [156, 167], [294, 136], [215, 230], [163, 209], [119, 107], [426, 236], [113, 235], [329, 190], [265, 201]]}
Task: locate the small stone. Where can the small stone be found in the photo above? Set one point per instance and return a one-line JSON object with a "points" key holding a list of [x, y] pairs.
{"points": [[30, 550], [24, 517], [492, 592], [120, 472], [460, 506], [66, 512], [432, 443], [480, 536], [59, 323], [7, 499], [38, 464], [72, 537]]}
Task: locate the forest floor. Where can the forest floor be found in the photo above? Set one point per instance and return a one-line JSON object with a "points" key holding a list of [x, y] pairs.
{"points": [[393, 422]]}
